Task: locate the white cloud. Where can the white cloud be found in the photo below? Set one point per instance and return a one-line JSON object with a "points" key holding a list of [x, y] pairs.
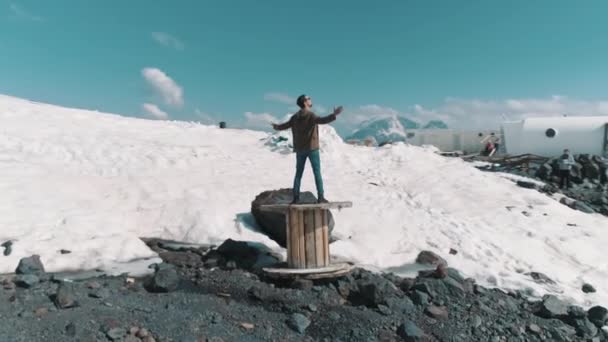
{"points": [[280, 98], [170, 91], [167, 40], [260, 120], [205, 117], [21, 12], [154, 111]]}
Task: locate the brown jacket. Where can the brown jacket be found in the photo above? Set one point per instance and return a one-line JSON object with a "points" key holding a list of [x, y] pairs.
{"points": [[305, 130]]}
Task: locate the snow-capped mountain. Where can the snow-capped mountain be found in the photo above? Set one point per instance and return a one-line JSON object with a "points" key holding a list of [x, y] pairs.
{"points": [[392, 128]]}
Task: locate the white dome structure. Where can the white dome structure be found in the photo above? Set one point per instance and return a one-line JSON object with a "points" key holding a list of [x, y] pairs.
{"points": [[549, 136]]}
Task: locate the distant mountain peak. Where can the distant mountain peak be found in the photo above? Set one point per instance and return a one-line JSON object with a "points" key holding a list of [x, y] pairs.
{"points": [[391, 128]]}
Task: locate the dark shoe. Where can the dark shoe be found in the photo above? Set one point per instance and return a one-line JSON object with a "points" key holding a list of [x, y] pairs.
{"points": [[322, 200]]}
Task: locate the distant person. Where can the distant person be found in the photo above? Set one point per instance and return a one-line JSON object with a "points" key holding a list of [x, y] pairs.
{"points": [[566, 160], [305, 131], [496, 142]]}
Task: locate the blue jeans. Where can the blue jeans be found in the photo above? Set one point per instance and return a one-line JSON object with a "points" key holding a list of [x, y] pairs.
{"points": [[315, 161]]}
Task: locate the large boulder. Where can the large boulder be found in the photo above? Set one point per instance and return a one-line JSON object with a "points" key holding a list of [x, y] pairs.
{"points": [[590, 169], [273, 223], [30, 265]]}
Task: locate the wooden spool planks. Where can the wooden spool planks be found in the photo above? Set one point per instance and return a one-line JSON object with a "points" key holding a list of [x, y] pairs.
{"points": [[308, 238]]}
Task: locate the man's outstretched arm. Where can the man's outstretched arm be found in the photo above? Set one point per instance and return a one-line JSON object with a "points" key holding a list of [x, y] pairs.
{"points": [[283, 126], [331, 117]]}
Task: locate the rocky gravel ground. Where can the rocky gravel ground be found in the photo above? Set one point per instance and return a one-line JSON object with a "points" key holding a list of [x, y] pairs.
{"points": [[203, 293]]}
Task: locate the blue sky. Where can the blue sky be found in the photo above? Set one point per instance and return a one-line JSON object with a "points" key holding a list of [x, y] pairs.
{"points": [[466, 62]]}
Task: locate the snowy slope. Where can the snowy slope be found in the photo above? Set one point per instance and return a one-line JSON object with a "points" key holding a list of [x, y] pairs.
{"points": [[93, 183]]}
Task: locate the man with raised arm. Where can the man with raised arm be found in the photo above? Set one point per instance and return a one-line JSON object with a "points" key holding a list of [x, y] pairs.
{"points": [[305, 131]]}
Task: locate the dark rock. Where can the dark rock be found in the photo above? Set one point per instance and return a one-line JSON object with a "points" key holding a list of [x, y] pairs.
{"points": [[455, 274], [575, 311], [582, 206], [584, 327], [272, 223], [540, 278], [165, 279], [440, 272], [526, 184], [406, 284], [65, 298], [26, 280], [598, 315], [64, 251], [302, 284], [30, 265], [371, 292], [298, 323], [239, 252], [400, 305], [70, 329], [437, 312], [410, 332], [587, 288], [453, 251], [8, 247], [385, 310], [430, 258], [440, 288], [552, 307], [420, 298]]}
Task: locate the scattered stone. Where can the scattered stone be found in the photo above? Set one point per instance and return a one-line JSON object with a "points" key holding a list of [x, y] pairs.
{"points": [[430, 258], [41, 312], [437, 312], [70, 329], [131, 338], [64, 251], [30, 265], [116, 334], [143, 333], [420, 298], [587, 288], [552, 307], [410, 332], [540, 278], [64, 298], [535, 329], [453, 251], [476, 321], [298, 323], [598, 315], [584, 327], [526, 184], [165, 279], [372, 292], [247, 326], [26, 280], [575, 311], [8, 247]]}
